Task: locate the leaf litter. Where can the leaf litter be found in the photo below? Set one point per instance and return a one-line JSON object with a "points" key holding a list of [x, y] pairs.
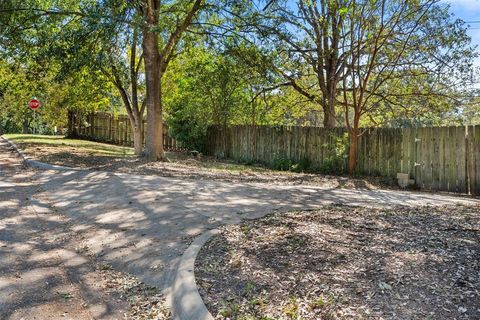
{"points": [[183, 165], [345, 262], [146, 302]]}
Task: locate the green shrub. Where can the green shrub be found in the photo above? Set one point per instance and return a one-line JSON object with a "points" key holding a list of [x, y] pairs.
{"points": [[189, 132], [335, 162], [283, 163]]}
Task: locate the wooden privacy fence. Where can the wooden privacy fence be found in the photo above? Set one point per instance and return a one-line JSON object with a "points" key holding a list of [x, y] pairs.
{"points": [[438, 158], [117, 130]]}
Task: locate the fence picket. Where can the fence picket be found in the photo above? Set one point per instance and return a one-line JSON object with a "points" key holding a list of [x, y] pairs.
{"points": [[438, 158], [108, 128], [447, 158]]}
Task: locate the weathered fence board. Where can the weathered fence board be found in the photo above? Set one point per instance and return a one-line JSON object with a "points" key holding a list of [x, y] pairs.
{"points": [[438, 158], [473, 161], [108, 128]]}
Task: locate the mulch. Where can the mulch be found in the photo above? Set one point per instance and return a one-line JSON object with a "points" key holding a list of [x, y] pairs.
{"points": [[346, 263]]}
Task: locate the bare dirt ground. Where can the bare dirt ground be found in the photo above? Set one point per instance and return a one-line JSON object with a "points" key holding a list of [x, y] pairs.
{"points": [[183, 165], [346, 263], [45, 271]]}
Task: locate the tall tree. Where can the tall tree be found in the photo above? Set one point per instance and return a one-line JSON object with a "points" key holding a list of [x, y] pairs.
{"points": [[161, 24], [158, 51], [390, 42], [354, 57], [308, 36], [112, 33], [128, 84], [81, 91], [102, 36]]}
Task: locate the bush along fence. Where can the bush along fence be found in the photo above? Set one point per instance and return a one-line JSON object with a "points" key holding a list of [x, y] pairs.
{"points": [[114, 129], [437, 158]]}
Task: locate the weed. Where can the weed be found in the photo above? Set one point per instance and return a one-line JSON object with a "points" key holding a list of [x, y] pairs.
{"points": [[318, 303], [291, 309], [65, 295], [249, 288], [230, 310], [245, 229], [283, 163]]}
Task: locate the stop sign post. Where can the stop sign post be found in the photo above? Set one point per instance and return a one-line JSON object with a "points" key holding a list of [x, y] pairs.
{"points": [[34, 104]]}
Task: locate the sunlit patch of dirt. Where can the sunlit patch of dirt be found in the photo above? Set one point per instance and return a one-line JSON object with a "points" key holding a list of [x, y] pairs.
{"points": [[184, 165]]}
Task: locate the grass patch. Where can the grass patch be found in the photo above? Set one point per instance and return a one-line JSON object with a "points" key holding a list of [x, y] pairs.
{"points": [[60, 142]]}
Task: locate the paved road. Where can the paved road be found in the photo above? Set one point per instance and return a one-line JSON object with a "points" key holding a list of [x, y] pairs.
{"points": [[41, 275], [143, 224]]}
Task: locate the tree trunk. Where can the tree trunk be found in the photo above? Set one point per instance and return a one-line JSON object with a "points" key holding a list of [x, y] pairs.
{"points": [[329, 120], [352, 153], [226, 153], [137, 130], [25, 126], [72, 129], [254, 126], [154, 136]]}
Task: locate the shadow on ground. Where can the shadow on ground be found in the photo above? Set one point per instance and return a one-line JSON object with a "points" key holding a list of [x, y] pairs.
{"points": [[402, 263], [143, 224]]}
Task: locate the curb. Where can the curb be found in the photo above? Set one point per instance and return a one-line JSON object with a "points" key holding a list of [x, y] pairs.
{"points": [[37, 164], [187, 304]]}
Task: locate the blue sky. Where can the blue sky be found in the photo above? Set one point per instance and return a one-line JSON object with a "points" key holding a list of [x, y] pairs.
{"points": [[467, 10]]}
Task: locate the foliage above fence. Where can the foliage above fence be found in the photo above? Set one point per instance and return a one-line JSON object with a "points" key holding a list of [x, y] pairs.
{"points": [[438, 158]]}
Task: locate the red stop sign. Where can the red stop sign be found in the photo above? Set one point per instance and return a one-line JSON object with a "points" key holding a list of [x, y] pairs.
{"points": [[34, 104]]}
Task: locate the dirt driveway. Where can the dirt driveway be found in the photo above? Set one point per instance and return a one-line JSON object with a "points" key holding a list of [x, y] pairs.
{"points": [[142, 224], [44, 271]]}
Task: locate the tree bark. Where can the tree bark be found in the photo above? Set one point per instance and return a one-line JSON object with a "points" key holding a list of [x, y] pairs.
{"points": [[137, 130], [352, 153], [130, 99], [135, 115], [25, 126], [225, 135], [156, 62], [329, 120], [72, 129], [136, 112], [154, 136]]}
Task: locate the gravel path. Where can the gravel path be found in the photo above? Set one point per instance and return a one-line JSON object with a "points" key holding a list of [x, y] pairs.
{"points": [[45, 273], [142, 224]]}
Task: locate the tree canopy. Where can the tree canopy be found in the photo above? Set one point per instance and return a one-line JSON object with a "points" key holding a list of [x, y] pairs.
{"points": [[351, 63]]}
